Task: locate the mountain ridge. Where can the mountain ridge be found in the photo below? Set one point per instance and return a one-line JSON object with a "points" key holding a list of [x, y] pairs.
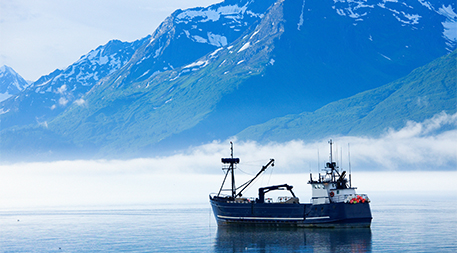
{"points": [[11, 83], [208, 73], [52, 94], [435, 82]]}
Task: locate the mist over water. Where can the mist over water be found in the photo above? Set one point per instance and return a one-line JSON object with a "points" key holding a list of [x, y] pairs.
{"points": [[57, 210], [408, 160], [88, 184], [161, 204]]}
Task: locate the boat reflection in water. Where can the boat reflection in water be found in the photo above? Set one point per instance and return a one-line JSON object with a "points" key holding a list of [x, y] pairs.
{"points": [[287, 239]]}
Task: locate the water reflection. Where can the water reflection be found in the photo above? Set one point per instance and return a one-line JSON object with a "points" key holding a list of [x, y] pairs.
{"points": [[240, 239]]}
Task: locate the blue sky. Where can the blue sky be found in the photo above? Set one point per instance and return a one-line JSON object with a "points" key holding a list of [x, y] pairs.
{"points": [[39, 36]]}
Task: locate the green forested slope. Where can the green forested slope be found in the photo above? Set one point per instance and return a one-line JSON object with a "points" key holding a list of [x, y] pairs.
{"points": [[426, 91]]}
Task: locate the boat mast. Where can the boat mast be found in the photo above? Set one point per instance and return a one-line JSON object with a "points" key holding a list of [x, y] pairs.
{"points": [[230, 169], [331, 143], [331, 160], [349, 158], [233, 171]]}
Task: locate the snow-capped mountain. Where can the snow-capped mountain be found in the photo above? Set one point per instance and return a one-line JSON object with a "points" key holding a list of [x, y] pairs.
{"points": [[11, 83], [407, 13], [53, 93], [208, 73], [188, 35]]}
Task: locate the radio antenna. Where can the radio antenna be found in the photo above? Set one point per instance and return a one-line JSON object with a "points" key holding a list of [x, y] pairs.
{"points": [[341, 158], [349, 158]]}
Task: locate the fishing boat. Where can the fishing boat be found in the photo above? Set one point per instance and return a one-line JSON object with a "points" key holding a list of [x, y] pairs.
{"points": [[334, 201]]}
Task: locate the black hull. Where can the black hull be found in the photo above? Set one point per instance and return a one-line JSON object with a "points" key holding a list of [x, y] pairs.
{"points": [[288, 214]]}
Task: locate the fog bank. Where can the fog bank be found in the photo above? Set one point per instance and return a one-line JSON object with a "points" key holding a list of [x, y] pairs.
{"points": [[420, 158]]}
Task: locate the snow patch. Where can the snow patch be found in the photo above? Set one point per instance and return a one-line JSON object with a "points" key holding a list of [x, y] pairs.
{"points": [[83, 77], [157, 53], [44, 123], [257, 15], [222, 63], [80, 102], [414, 18], [71, 72], [142, 59], [340, 12], [145, 73], [217, 40], [447, 12], [254, 34], [301, 20], [63, 101], [4, 96], [426, 4], [411, 19], [209, 15], [215, 52], [213, 39], [244, 47], [199, 39], [115, 64], [151, 40], [96, 57], [385, 57], [62, 89], [3, 111], [229, 11], [450, 25], [197, 64], [352, 9]]}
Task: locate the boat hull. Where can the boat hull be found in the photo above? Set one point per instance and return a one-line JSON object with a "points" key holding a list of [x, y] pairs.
{"points": [[291, 214]]}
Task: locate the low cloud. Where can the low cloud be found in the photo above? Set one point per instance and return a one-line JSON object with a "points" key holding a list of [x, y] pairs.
{"points": [[388, 163], [430, 145], [426, 146]]}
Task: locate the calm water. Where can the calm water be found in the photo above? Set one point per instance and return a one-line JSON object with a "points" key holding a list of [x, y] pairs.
{"points": [[401, 223]]}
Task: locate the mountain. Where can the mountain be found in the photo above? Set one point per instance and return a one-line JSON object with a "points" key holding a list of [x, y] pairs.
{"points": [[11, 83], [328, 50], [51, 94], [208, 73], [426, 91]]}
